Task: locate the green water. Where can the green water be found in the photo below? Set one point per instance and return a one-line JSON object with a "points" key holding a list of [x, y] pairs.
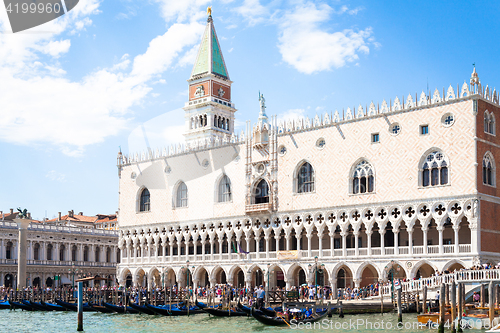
{"points": [[19, 321]]}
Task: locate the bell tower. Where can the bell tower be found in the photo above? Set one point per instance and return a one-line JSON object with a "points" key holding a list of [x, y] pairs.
{"points": [[209, 113]]}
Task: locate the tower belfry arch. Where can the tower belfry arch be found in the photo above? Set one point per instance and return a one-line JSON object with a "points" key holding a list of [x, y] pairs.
{"points": [[209, 113]]}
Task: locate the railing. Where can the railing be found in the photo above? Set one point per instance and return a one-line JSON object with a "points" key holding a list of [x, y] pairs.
{"points": [[351, 252], [464, 248], [327, 253], [418, 250], [315, 253], [404, 250], [256, 208], [449, 249], [337, 253], [433, 249], [389, 250], [363, 252], [376, 251]]}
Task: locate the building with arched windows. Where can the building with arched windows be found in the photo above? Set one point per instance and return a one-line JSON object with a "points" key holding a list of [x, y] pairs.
{"points": [[69, 244], [408, 184]]}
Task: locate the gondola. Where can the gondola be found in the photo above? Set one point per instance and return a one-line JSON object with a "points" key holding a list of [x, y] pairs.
{"points": [[35, 305], [24, 307], [53, 307], [101, 308], [74, 306], [120, 308], [165, 310], [5, 305], [268, 311], [244, 308], [224, 313], [141, 308], [279, 321]]}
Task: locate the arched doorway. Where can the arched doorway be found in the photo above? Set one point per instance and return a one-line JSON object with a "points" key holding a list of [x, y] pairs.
{"points": [[238, 278], [344, 277], [393, 270], [276, 277], [203, 278], [425, 270], [369, 276], [49, 282], [8, 281], [36, 283], [454, 267], [220, 276]]}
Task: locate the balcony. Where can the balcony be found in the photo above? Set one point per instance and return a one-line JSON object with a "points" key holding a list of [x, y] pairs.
{"points": [[259, 208]]}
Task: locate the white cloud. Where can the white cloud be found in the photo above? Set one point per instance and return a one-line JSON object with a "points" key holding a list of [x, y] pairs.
{"points": [[252, 11], [308, 48], [56, 176], [292, 114], [181, 11], [40, 105]]}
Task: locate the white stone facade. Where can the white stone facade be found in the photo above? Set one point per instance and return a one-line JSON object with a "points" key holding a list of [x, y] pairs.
{"points": [[397, 185], [54, 250]]}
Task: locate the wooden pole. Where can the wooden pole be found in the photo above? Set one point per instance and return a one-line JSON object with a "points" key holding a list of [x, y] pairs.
{"points": [[441, 308], [80, 307], [453, 296], [447, 294], [381, 291], [424, 300], [400, 312], [417, 302], [491, 303], [482, 295], [460, 307]]}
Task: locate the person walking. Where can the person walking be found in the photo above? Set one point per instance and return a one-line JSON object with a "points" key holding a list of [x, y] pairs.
{"points": [[260, 297]]}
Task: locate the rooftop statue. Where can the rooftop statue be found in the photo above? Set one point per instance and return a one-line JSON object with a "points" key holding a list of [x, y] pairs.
{"points": [[23, 214]]}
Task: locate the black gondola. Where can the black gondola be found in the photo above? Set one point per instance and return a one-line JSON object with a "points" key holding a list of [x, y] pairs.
{"points": [[74, 306], [120, 308], [141, 308], [17, 305], [53, 307], [166, 311], [101, 308], [224, 313], [244, 308], [5, 305], [35, 305], [279, 321]]}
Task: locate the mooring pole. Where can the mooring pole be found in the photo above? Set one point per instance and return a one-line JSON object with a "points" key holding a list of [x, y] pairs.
{"points": [[80, 306], [491, 303], [453, 295], [482, 295], [442, 299], [400, 312], [424, 300], [381, 291], [417, 301], [460, 307]]}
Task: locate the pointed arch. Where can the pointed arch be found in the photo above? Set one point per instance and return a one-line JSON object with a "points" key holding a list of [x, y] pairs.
{"points": [[224, 193], [261, 191], [181, 195], [434, 168], [144, 200], [489, 169], [304, 178], [362, 177]]}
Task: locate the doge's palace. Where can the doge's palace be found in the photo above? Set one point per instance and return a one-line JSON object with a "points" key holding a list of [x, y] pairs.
{"points": [[408, 184]]}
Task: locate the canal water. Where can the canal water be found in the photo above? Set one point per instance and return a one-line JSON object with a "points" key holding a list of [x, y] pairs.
{"points": [[22, 321]]}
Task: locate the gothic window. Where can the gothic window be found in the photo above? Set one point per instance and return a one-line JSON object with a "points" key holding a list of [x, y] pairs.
{"points": [[435, 169], [8, 251], [61, 252], [145, 205], [489, 123], [36, 252], [488, 170], [86, 253], [362, 178], [262, 192], [49, 252], [224, 189], [305, 178], [182, 195]]}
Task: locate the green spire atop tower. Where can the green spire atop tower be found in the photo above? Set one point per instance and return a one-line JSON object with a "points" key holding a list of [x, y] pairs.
{"points": [[209, 59]]}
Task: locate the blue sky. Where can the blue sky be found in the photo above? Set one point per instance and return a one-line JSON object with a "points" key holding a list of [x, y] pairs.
{"points": [[73, 90]]}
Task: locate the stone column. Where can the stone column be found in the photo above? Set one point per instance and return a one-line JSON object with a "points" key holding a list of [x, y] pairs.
{"points": [[267, 246], [203, 250], [220, 248], [2, 256], [288, 242], [247, 240], [277, 238], [382, 241], [309, 245], [211, 251], [475, 235], [424, 235], [320, 244], [332, 244], [23, 225], [369, 242], [357, 282], [55, 252], [410, 241], [171, 251], [297, 237], [396, 243], [344, 243], [356, 244], [456, 229], [257, 247], [440, 229], [333, 284]]}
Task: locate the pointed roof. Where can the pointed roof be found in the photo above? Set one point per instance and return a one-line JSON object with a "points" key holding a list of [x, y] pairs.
{"points": [[209, 59]]}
